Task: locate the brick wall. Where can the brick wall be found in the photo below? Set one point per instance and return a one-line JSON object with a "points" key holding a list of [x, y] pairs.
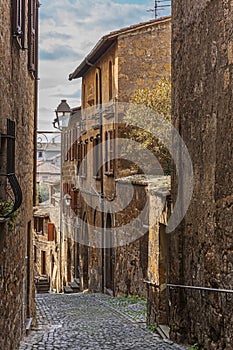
{"points": [[201, 253], [17, 88]]}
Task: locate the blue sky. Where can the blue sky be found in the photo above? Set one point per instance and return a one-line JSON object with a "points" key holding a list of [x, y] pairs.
{"points": [[68, 31]]}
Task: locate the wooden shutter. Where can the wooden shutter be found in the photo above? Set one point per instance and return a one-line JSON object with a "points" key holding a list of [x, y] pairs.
{"points": [[41, 225], [84, 159], [79, 155], [51, 230], [95, 157], [110, 80], [65, 157], [18, 25], [32, 35], [106, 151], [74, 146], [112, 151], [74, 199]]}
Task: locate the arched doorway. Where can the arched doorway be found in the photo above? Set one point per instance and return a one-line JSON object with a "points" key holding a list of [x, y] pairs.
{"points": [[108, 257], [84, 256], [68, 265]]}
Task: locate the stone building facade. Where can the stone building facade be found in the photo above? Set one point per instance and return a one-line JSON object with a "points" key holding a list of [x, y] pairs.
{"points": [[18, 115], [201, 247], [120, 63]]}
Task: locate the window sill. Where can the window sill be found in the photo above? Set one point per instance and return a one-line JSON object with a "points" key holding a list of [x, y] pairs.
{"points": [[109, 173]]}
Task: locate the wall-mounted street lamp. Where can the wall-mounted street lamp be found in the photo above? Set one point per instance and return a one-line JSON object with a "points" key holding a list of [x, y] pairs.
{"points": [[67, 199], [63, 112]]}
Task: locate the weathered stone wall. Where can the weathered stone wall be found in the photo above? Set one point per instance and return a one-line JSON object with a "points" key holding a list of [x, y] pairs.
{"points": [[131, 260], [17, 104], [144, 56], [201, 247], [159, 213]]}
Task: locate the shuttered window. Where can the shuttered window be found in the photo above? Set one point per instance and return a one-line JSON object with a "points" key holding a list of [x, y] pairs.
{"points": [[18, 25], [97, 158], [74, 199], [39, 225], [33, 36], [109, 152], [84, 159], [65, 146], [74, 145], [79, 156]]}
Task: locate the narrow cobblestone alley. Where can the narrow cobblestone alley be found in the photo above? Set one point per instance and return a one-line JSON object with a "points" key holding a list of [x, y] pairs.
{"points": [[90, 322]]}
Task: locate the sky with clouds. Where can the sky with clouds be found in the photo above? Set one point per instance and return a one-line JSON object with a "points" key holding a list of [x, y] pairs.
{"points": [[68, 31]]}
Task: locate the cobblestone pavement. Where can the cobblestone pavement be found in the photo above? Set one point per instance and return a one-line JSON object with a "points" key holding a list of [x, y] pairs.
{"points": [[91, 322]]}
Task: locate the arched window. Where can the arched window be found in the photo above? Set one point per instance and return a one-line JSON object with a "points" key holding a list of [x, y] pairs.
{"points": [[110, 80], [97, 88], [84, 95]]}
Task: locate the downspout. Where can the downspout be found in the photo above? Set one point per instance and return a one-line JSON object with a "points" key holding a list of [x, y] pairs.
{"points": [[35, 112]]}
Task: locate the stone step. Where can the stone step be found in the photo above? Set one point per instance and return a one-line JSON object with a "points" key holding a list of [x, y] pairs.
{"points": [[77, 280], [75, 286], [42, 285], [68, 290]]}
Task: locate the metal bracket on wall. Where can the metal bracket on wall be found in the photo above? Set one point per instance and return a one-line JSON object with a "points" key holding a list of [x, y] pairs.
{"points": [[152, 284], [8, 207], [17, 195]]}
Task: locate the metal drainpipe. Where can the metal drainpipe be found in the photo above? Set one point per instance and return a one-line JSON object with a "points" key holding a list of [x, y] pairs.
{"points": [[35, 113]]}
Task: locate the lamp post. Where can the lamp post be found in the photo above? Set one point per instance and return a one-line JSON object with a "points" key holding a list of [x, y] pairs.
{"points": [[61, 123]]}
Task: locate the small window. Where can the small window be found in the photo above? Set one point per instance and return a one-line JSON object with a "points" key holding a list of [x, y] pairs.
{"points": [[39, 225], [109, 152], [97, 158]]}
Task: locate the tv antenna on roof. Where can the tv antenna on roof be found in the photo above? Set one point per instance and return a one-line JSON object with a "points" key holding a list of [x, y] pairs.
{"points": [[156, 7]]}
